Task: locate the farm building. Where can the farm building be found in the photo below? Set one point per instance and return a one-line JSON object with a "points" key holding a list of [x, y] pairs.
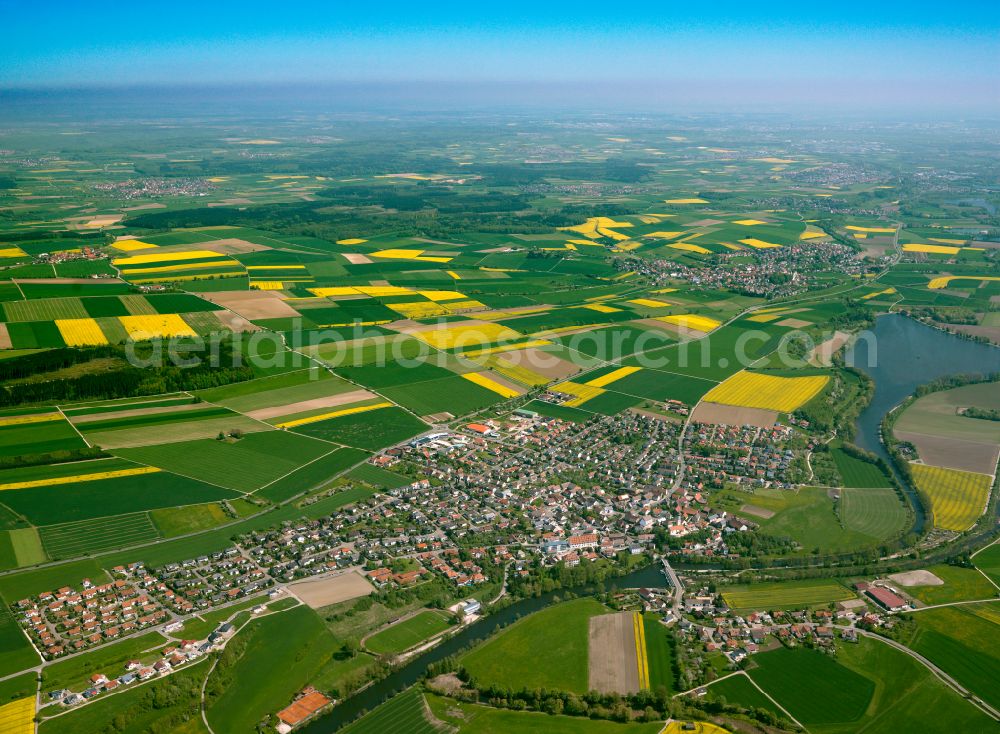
{"points": [[887, 599]]}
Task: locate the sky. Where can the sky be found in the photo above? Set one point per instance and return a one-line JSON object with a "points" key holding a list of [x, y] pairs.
{"points": [[879, 50]]}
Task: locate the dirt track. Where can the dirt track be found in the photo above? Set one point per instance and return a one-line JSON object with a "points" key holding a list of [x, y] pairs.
{"points": [[612, 659]]}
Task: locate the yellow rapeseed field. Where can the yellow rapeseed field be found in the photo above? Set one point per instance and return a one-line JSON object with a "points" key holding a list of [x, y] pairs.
{"points": [[404, 254], [266, 285], [692, 200], [943, 281], [132, 245], [932, 249], [605, 380], [871, 230], [351, 241], [140, 328], [601, 308], [887, 292], [80, 332], [650, 303], [516, 372], [478, 378], [748, 222], [691, 321], [665, 235], [92, 477], [759, 244], [442, 295], [454, 275], [162, 257], [466, 335], [21, 420], [957, 498], [639, 634], [506, 348], [333, 414], [18, 717], [186, 266], [688, 247], [768, 392], [275, 267], [9, 252], [581, 393], [418, 309]]}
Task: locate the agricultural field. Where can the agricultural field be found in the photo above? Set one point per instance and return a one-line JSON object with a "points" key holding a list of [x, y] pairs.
{"points": [[988, 561], [952, 584], [944, 436], [403, 635], [962, 641], [768, 392], [957, 498], [404, 712], [786, 595], [812, 687], [547, 649], [858, 473], [294, 641]]}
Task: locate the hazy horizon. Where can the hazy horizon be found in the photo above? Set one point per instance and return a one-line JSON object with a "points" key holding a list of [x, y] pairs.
{"points": [[855, 56]]}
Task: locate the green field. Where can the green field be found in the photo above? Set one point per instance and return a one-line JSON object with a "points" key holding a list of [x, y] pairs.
{"points": [[364, 431], [960, 584], [378, 477], [16, 653], [738, 690], [660, 652], [244, 465], [312, 475], [858, 473], [94, 536], [812, 687], [283, 653], [547, 649], [21, 585], [408, 633], [118, 496], [876, 512], [786, 594], [174, 521], [27, 546], [964, 642], [988, 561]]}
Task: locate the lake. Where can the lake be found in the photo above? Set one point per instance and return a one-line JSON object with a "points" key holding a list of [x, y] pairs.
{"points": [[901, 355]]}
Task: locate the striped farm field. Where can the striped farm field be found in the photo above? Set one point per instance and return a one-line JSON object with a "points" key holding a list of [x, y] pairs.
{"points": [[946, 280], [94, 536], [44, 309], [18, 717], [786, 594], [75, 478], [483, 380], [768, 392], [333, 414], [957, 498], [613, 376], [402, 713], [691, 321], [877, 511], [639, 633]]}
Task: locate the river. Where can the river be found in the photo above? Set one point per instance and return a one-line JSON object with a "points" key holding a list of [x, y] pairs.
{"points": [[410, 673], [901, 355]]}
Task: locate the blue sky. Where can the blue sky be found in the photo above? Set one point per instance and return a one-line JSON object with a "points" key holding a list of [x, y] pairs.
{"points": [[951, 48]]}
